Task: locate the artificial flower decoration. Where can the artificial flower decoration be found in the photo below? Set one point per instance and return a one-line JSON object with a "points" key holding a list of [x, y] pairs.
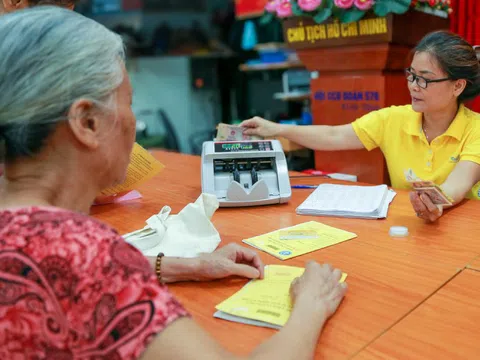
{"points": [[343, 4], [364, 4], [350, 10], [435, 5], [309, 5], [284, 9], [271, 6]]}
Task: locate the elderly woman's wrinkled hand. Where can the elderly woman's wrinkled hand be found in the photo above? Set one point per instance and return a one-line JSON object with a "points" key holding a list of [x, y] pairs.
{"points": [[230, 260], [424, 207], [320, 283]]}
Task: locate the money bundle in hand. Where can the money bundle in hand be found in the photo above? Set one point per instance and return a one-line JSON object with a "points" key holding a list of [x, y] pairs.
{"points": [[227, 132], [434, 191]]}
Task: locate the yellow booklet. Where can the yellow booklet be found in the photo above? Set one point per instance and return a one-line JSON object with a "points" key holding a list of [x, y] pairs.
{"points": [[143, 166], [264, 302], [299, 239]]}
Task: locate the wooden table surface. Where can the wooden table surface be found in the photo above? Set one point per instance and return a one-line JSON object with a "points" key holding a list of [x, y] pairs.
{"points": [[447, 326], [390, 280], [475, 264]]}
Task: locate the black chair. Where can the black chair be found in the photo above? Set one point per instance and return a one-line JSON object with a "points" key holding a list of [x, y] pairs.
{"points": [[168, 140], [171, 139], [196, 140]]}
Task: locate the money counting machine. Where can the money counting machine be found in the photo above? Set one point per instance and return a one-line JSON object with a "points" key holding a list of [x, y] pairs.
{"points": [[245, 173]]}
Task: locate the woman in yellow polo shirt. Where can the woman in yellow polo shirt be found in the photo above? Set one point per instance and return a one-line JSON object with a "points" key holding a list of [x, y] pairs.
{"points": [[436, 135]]}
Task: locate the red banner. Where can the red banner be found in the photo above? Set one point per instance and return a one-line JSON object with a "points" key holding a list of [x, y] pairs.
{"points": [[465, 21], [249, 8]]}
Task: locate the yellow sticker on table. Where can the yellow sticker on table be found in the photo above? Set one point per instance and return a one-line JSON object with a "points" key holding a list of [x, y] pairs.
{"points": [[266, 300], [305, 238], [143, 166]]}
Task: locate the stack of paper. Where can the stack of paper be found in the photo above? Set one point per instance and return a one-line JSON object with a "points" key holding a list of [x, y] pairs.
{"points": [[370, 202], [299, 239], [264, 302]]}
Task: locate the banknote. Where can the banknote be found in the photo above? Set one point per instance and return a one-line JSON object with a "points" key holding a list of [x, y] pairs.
{"points": [[226, 132], [435, 194], [434, 191]]}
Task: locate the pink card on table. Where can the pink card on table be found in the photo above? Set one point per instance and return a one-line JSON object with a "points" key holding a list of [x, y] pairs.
{"points": [[131, 195]]}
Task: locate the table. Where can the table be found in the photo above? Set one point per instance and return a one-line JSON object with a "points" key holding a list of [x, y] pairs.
{"points": [[475, 264], [449, 323], [389, 279]]}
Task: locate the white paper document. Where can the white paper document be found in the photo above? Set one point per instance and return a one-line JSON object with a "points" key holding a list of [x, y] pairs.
{"points": [[353, 201]]}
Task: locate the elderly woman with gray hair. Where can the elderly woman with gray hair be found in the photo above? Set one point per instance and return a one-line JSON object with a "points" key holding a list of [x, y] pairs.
{"points": [[71, 288]]}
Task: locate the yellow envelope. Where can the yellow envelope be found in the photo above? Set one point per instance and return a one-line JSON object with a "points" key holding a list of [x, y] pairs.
{"points": [[283, 247], [143, 166], [266, 301]]}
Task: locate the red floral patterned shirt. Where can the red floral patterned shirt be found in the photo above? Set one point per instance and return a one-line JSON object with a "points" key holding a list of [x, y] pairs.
{"points": [[71, 288]]}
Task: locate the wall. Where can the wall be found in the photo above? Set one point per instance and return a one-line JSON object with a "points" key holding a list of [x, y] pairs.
{"points": [[164, 83], [147, 21]]}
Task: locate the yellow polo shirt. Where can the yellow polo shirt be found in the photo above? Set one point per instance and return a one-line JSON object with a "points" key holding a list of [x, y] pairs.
{"points": [[397, 131]]}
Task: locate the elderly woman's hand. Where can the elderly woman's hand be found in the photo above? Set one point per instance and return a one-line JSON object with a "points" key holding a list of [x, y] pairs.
{"points": [[320, 284], [424, 207], [230, 260]]}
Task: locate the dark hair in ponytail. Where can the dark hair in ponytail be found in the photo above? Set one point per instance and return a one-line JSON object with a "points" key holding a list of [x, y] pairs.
{"points": [[456, 57]]}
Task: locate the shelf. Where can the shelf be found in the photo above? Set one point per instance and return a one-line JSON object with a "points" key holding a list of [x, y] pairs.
{"points": [[292, 96], [249, 16], [271, 66]]}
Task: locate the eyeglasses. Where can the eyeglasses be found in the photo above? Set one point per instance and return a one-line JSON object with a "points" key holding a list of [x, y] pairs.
{"points": [[421, 81]]}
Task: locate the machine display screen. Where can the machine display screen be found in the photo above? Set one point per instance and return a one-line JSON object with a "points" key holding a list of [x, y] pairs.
{"points": [[222, 147]]}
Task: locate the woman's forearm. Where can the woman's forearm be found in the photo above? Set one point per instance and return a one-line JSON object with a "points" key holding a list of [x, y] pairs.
{"points": [[461, 180], [313, 137], [322, 137], [175, 269], [457, 195], [315, 300], [305, 325], [297, 340]]}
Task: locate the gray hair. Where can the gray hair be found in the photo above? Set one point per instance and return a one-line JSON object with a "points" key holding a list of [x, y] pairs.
{"points": [[51, 57]]}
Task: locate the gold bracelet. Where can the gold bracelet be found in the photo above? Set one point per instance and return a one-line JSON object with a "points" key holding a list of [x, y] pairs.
{"points": [[158, 267]]}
